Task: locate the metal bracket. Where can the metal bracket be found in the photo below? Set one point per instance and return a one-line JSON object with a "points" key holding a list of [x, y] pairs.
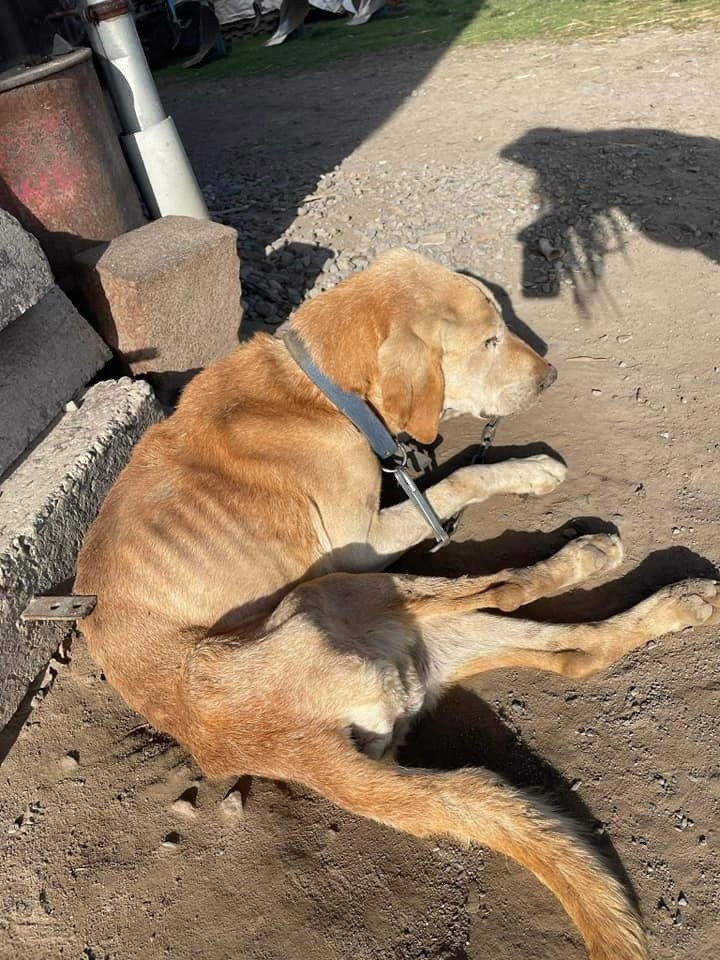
{"points": [[59, 608]]}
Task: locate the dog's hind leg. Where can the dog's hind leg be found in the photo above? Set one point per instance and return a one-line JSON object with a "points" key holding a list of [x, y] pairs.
{"points": [[447, 617], [463, 645], [340, 662], [585, 557]]}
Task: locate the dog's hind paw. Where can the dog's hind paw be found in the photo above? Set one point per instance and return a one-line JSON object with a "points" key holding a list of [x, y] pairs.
{"points": [[690, 603], [597, 552]]}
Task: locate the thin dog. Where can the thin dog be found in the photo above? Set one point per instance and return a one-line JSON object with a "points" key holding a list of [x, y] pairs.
{"points": [[240, 605]]}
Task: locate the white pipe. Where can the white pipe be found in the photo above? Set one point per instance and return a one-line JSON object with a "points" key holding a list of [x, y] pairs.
{"points": [[154, 150]]}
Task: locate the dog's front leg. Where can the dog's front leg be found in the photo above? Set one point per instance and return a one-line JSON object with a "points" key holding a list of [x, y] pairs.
{"points": [[397, 529]]}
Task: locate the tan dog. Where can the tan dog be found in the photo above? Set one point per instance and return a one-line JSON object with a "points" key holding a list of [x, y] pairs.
{"points": [[238, 607]]}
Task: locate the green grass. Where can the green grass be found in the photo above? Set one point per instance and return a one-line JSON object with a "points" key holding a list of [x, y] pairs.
{"points": [[451, 23]]}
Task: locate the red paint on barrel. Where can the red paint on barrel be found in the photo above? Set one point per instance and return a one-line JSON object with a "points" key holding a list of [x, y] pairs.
{"points": [[62, 171]]}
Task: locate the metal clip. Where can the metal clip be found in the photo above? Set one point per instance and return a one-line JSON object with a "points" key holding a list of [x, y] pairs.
{"points": [[486, 439], [406, 483], [59, 608]]}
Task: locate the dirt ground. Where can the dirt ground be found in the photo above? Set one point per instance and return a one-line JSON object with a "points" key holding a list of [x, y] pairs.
{"points": [[604, 151]]}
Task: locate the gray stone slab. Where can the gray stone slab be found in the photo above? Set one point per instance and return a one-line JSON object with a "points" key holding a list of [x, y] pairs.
{"points": [[46, 505], [46, 357], [25, 275]]}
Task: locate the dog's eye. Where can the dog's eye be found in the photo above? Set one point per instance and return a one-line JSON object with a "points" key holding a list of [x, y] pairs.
{"points": [[491, 342]]}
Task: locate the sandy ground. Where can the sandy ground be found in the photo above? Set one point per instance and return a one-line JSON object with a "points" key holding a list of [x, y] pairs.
{"points": [[99, 860]]}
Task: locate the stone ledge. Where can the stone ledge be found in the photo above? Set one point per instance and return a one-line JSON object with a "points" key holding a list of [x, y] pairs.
{"points": [[46, 506]]}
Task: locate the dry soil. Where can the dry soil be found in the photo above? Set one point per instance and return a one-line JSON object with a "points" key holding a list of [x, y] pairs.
{"points": [[607, 153]]}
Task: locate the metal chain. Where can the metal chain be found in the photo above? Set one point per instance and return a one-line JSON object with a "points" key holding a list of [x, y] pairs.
{"points": [[486, 440]]}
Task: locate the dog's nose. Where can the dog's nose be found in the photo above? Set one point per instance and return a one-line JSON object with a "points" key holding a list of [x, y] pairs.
{"points": [[549, 379]]}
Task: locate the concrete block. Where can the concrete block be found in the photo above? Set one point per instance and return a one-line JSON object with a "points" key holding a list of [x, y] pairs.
{"points": [[25, 275], [46, 505], [46, 357], [167, 295]]}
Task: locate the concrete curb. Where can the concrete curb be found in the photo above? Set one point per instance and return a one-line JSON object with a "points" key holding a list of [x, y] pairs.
{"points": [[46, 506]]}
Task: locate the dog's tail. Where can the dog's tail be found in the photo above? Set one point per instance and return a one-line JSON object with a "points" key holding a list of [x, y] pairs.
{"points": [[475, 805]]}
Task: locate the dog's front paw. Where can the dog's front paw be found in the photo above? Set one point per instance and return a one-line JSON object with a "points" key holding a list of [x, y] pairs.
{"points": [[537, 475]]}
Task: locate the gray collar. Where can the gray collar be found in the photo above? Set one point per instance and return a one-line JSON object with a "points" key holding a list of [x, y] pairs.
{"points": [[389, 451]]}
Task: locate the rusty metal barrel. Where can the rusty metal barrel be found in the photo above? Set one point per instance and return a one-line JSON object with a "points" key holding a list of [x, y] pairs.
{"points": [[62, 170]]}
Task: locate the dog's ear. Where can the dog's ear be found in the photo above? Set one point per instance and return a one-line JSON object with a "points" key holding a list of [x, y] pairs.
{"points": [[411, 386]]}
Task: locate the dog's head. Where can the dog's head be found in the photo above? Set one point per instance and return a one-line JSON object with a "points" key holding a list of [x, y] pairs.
{"points": [[420, 342]]}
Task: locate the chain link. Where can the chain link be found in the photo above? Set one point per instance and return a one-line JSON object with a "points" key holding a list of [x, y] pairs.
{"points": [[486, 440]]}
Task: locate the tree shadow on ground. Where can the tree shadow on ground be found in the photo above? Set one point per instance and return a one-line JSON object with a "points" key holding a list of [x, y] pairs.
{"points": [[590, 183]]}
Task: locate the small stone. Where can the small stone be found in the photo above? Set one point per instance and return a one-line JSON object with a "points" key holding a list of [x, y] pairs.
{"points": [[575, 785], [184, 808], [624, 337], [171, 843], [432, 239], [596, 392], [474, 900], [70, 762], [682, 899], [232, 807]]}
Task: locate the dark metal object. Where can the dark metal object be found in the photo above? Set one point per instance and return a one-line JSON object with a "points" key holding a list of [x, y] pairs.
{"points": [[59, 608], [62, 171]]}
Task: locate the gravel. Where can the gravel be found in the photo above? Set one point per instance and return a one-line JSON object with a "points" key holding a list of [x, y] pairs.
{"points": [[459, 214]]}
